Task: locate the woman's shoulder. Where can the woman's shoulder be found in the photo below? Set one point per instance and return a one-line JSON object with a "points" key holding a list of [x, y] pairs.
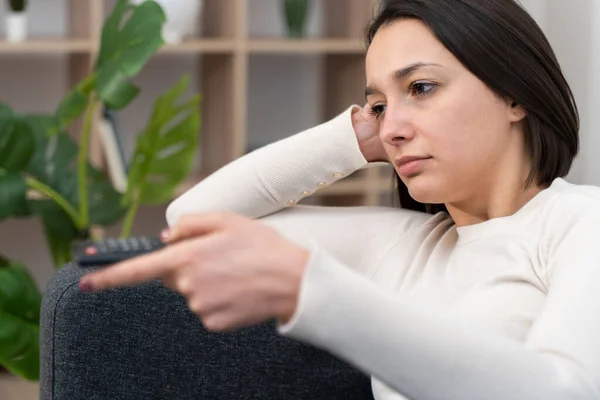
{"points": [[571, 202], [572, 209], [576, 192]]}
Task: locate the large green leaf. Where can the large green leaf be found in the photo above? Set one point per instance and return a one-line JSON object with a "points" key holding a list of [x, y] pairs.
{"points": [[13, 194], [59, 229], [165, 151], [114, 87], [16, 150], [74, 104], [55, 164], [131, 35], [6, 116], [104, 201], [16, 141], [20, 302]]}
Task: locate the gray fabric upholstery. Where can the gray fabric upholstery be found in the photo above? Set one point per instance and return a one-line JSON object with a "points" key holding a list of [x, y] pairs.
{"points": [[142, 342]]}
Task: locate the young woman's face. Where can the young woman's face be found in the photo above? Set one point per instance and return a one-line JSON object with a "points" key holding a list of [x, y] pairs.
{"points": [[430, 107]]}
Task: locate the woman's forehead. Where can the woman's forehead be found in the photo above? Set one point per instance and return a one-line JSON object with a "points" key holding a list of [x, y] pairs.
{"points": [[404, 43], [403, 40]]}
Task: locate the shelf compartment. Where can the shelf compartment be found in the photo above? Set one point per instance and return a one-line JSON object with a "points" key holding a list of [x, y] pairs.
{"points": [[345, 81], [281, 96]]}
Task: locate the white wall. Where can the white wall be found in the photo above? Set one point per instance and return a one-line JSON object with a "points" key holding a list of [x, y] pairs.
{"points": [[590, 166], [572, 29], [591, 136], [537, 9]]}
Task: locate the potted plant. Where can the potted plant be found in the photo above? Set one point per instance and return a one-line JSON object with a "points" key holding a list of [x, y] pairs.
{"points": [[45, 174], [295, 15], [16, 21]]}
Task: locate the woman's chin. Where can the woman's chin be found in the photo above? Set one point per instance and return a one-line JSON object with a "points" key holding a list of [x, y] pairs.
{"points": [[424, 189]]}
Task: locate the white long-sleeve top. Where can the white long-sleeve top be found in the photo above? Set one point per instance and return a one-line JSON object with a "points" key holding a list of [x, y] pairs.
{"points": [[507, 309]]}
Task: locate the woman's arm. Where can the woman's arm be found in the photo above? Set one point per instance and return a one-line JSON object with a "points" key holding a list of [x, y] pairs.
{"points": [[278, 175], [358, 237], [428, 355], [269, 181]]}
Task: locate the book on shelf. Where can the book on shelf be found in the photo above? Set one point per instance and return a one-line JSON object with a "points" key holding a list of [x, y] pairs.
{"points": [[112, 146]]}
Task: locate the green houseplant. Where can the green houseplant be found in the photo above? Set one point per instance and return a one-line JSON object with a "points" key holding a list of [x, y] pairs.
{"points": [[17, 5], [45, 174], [295, 14]]}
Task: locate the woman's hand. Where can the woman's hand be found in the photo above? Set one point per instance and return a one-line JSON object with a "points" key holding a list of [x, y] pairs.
{"points": [[233, 271], [366, 128]]}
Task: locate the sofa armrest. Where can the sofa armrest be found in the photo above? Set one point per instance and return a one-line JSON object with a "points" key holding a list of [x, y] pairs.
{"points": [[142, 342]]}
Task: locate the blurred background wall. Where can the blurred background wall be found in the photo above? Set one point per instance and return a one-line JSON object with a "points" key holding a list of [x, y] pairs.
{"points": [[573, 30]]}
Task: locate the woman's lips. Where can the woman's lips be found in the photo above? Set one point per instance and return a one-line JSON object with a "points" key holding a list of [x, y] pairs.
{"points": [[411, 165]]}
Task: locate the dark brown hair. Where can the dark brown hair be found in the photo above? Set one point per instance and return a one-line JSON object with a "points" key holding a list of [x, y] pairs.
{"points": [[499, 42]]}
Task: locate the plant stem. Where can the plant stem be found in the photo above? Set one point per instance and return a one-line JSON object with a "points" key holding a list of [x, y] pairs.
{"points": [[130, 216], [57, 198], [62, 257], [82, 158]]}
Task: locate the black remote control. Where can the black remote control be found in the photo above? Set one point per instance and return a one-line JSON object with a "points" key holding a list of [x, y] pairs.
{"points": [[112, 250]]}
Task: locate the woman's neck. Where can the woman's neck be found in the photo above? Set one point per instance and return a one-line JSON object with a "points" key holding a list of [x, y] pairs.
{"points": [[497, 201], [500, 191]]}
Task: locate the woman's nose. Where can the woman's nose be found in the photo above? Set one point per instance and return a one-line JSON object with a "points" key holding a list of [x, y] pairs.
{"points": [[395, 128]]}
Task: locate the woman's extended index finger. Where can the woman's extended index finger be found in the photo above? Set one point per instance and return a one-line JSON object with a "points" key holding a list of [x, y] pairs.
{"points": [[132, 271]]}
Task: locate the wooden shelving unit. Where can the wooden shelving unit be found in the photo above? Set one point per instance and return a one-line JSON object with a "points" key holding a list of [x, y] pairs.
{"points": [[55, 46], [314, 46], [223, 49]]}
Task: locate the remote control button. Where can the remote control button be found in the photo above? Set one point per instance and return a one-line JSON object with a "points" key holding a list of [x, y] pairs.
{"points": [[90, 251], [145, 243], [124, 245]]}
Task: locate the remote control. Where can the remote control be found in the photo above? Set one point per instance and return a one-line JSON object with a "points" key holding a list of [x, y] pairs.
{"points": [[112, 250]]}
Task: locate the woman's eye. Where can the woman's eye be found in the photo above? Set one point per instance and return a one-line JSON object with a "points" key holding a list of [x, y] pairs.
{"points": [[422, 88], [377, 110]]}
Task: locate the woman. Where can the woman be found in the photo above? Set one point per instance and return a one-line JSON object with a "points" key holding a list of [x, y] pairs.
{"points": [[499, 298]]}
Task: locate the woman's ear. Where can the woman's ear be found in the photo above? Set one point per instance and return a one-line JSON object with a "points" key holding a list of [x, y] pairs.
{"points": [[516, 111]]}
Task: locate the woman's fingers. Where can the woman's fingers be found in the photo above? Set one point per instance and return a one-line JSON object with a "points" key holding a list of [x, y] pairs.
{"points": [[138, 269], [192, 225]]}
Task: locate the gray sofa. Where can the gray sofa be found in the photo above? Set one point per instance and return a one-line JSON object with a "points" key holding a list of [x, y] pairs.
{"points": [[142, 342]]}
